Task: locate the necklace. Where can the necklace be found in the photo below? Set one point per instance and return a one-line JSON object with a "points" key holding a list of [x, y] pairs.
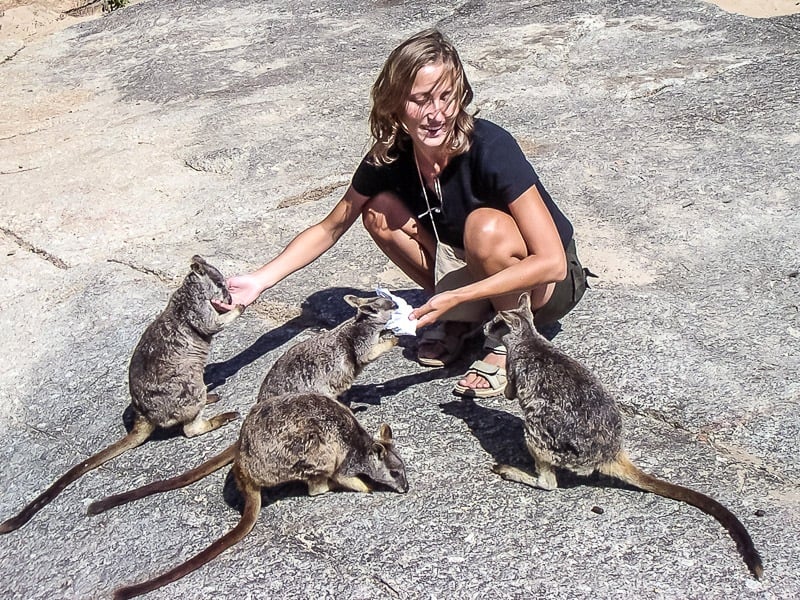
{"points": [[437, 188]]}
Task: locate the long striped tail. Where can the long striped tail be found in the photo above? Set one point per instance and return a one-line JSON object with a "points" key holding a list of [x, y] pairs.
{"points": [[622, 468], [142, 429], [210, 466]]}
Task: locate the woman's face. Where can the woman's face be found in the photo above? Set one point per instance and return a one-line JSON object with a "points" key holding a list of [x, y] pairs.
{"points": [[430, 107]]}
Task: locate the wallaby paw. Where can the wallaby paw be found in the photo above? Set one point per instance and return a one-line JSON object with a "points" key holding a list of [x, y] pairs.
{"points": [[227, 417], [212, 398], [502, 470]]}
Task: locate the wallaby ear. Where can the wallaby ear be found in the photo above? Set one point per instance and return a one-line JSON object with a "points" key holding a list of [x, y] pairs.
{"points": [[353, 301], [199, 264], [504, 316], [524, 300], [385, 433], [379, 450]]}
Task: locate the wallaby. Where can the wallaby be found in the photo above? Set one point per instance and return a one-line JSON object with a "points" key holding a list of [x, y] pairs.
{"points": [[326, 363], [304, 437], [165, 376], [572, 422], [329, 362]]}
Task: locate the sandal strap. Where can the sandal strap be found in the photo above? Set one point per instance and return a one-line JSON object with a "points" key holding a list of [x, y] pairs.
{"points": [[491, 373]]}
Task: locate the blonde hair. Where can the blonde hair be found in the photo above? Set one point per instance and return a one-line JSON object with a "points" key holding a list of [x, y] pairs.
{"points": [[390, 93]]}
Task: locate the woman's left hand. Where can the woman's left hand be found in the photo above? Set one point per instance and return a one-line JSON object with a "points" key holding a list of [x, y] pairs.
{"points": [[433, 309]]}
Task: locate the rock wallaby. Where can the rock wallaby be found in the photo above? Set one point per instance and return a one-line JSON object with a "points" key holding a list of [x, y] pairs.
{"points": [[304, 437], [572, 422], [165, 376], [329, 362], [326, 363]]}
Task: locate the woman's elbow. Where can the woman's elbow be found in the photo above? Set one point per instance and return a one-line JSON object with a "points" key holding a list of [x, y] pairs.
{"points": [[558, 270]]}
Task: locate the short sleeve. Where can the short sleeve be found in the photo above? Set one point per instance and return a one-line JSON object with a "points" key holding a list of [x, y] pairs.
{"points": [[367, 179], [504, 171]]}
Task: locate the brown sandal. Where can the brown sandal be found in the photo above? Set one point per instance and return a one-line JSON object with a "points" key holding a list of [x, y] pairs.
{"points": [[442, 335]]}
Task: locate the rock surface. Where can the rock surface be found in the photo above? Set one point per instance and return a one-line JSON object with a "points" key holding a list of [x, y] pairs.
{"points": [[668, 131]]}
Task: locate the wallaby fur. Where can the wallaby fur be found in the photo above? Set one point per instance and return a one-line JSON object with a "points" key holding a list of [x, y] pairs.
{"points": [[304, 437], [165, 376], [572, 422], [326, 363], [329, 362]]}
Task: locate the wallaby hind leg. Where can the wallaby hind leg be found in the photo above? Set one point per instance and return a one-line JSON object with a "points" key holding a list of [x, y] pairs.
{"points": [[201, 425], [544, 480]]}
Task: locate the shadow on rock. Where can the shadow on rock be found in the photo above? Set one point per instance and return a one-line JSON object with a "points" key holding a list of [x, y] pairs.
{"points": [[373, 392], [233, 497]]}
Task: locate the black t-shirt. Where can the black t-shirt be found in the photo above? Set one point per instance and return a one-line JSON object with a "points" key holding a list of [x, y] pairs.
{"points": [[493, 173]]}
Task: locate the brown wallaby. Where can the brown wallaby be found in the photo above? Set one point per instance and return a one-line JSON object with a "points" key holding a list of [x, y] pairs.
{"points": [[304, 437], [572, 422], [165, 376], [326, 363], [329, 362]]}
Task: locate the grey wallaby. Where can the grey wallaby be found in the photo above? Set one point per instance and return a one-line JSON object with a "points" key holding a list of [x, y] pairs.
{"points": [[572, 422], [306, 437], [329, 362], [326, 363], [165, 376]]}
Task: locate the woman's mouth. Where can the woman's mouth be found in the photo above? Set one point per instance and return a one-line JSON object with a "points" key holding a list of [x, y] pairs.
{"points": [[433, 130]]}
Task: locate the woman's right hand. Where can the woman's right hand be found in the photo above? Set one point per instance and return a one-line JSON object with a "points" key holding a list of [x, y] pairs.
{"points": [[244, 289]]}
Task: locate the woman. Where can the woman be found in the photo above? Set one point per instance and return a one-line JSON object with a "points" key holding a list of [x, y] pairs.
{"points": [[437, 176]]}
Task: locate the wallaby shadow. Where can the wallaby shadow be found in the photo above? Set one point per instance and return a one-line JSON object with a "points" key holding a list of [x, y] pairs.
{"points": [[325, 308], [372, 393], [233, 497], [502, 435]]}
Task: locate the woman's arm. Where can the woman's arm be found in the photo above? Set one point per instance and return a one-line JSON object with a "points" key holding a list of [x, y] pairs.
{"points": [[545, 262], [305, 248]]}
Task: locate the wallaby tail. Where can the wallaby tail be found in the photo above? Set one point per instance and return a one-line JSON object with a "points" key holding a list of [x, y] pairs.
{"points": [[252, 506], [142, 429], [212, 464], [622, 468]]}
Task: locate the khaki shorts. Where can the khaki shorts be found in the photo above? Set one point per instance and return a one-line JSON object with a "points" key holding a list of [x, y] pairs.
{"points": [[452, 273]]}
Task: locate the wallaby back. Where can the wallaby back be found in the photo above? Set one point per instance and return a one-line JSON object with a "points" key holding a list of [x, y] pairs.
{"points": [[329, 362]]}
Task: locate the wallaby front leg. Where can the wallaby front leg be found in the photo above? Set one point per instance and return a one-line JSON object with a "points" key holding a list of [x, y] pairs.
{"points": [[226, 318], [352, 483]]}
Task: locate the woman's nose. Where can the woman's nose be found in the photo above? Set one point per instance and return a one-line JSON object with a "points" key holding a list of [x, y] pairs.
{"points": [[435, 106]]}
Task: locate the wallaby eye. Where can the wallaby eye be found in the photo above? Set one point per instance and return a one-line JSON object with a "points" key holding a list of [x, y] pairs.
{"points": [[395, 474]]}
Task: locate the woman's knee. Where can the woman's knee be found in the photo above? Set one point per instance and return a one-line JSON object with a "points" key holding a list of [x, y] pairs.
{"points": [[382, 214], [490, 234]]}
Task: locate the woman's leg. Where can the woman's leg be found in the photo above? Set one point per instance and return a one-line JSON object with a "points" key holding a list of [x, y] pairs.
{"points": [[398, 234], [412, 248], [492, 242]]}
